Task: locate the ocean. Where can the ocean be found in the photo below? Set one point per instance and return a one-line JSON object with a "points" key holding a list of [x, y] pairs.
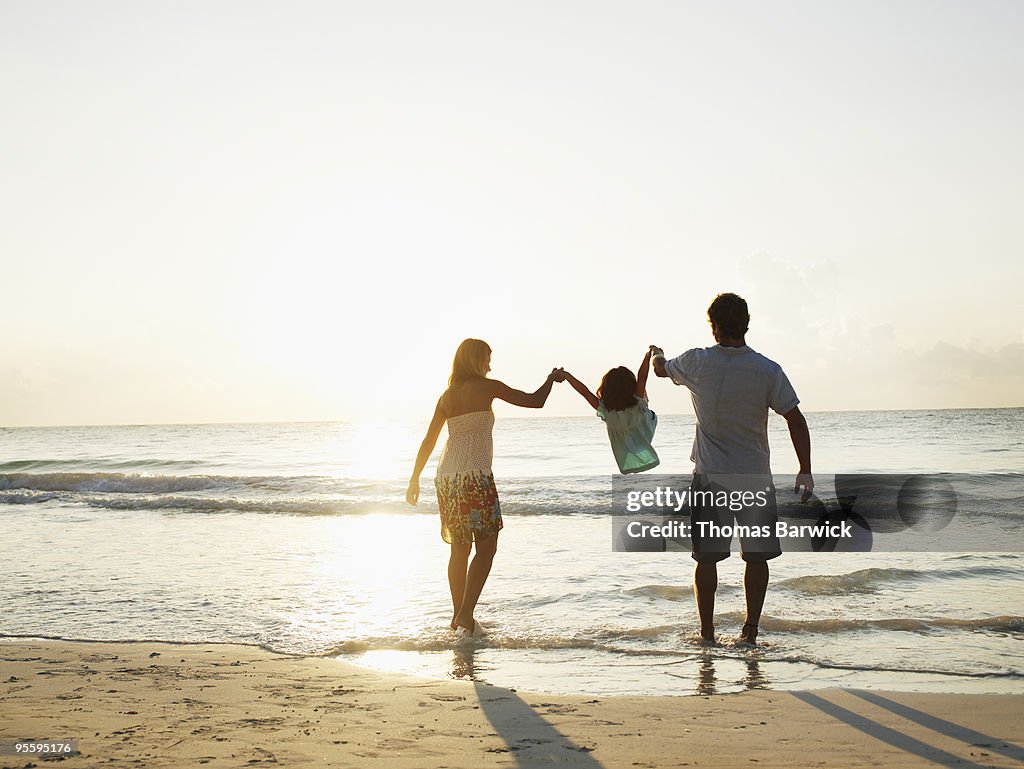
{"points": [[296, 537]]}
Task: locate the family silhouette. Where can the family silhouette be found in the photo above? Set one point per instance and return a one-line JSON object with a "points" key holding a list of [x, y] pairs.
{"points": [[732, 387]]}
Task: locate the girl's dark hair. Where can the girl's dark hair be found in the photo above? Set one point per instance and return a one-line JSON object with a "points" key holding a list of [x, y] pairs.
{"points": [[618, 389]]}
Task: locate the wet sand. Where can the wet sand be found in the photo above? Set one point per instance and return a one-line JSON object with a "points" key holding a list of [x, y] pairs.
{"points": [[219, 705]]}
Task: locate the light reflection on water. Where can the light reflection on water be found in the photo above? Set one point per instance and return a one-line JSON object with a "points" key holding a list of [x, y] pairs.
{"points": [[565, 612]]}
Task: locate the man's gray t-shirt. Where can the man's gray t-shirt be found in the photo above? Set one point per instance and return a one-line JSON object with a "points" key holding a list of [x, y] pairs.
{"points": [[732, 389]]}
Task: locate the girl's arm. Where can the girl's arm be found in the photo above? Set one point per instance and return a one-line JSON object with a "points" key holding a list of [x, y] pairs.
{"points": [[583, 390], [534, 400], [412, 494], [641, 375]]}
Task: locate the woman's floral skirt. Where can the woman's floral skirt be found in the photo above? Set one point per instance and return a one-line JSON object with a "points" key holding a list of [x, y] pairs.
{"points": [[469, 507]]}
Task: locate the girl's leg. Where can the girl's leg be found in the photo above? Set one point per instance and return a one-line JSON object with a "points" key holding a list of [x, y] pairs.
{"points": [[475, 579], [458, 562]]}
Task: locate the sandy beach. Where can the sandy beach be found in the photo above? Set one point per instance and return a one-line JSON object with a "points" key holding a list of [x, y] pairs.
{"points": [[159, 704]]}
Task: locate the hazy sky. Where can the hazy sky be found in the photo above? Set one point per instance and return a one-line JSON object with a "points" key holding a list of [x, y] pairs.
{"points": [[271, 211]]}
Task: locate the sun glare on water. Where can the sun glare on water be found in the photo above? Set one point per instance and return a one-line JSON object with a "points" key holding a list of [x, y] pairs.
{"points": [[375, 450], [384, 562]]}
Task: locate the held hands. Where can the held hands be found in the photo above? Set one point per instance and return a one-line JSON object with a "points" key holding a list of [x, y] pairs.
{"points": [[805, 481], [657, 358], [557, 375], [412, 494]]}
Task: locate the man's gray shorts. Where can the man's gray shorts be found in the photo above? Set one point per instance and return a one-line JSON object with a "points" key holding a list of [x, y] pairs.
{"points": [[711, 549]]}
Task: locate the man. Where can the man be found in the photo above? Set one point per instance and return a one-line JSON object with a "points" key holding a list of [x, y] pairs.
{"points": [[732, 388]]}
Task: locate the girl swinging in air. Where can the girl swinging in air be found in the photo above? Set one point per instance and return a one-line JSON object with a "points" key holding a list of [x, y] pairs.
{"points": [[621, 401]]}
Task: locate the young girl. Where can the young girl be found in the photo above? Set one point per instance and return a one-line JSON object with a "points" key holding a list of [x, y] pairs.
{"points": [[466, 495], [621, 401]]}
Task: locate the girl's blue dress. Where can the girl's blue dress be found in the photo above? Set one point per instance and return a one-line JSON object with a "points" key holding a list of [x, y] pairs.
{"points": [[631, 432]]}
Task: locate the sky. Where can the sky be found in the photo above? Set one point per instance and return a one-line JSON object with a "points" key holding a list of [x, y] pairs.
{"points": [[254, 211]]}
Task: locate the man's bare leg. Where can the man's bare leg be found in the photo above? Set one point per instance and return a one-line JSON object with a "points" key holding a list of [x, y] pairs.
{"points": [[705, 583], [755, 585]]}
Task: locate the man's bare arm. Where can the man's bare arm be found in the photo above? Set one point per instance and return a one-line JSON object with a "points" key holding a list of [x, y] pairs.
{"points": [[658, 361], [801, 437]]}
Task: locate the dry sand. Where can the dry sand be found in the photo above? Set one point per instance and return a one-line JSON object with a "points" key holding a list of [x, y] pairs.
{"points": [[158, 704]]}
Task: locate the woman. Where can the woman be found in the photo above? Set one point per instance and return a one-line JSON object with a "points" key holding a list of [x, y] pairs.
{"points": [[466, 495]]}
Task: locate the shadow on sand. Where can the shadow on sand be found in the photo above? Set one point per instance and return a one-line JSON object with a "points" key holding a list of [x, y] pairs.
{"points": [[902, 741], [528, 737], [942, 726]]}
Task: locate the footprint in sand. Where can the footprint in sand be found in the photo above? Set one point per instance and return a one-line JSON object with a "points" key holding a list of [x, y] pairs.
{"points": [[447, 697]]}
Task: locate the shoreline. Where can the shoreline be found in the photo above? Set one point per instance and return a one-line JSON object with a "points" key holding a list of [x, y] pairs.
{"points": [[145, 703], [723, 669]]}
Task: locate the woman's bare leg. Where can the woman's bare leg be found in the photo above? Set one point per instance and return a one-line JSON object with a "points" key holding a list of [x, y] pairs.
{"points": [[458, 562], [479, 568]]}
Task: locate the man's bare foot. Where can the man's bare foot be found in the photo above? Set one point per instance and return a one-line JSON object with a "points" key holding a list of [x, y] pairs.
{"points": [[707, 637], [748, 634]]}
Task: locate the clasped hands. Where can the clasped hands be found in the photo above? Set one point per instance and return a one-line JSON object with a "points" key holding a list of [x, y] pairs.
{"points": [[559, 374]]}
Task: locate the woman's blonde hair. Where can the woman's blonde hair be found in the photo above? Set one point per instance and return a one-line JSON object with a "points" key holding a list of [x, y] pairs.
{"points": [[470, 361]]}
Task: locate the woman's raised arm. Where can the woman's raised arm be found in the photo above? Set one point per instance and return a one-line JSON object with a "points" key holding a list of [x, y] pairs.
{"points": [[534, 400]]}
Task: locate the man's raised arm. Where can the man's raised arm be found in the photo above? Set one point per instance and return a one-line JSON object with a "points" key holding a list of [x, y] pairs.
{"points": [[658, 361]]}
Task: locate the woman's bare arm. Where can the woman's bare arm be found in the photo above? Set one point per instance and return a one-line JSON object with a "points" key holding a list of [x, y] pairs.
{"points": [[534, 400], [412, 494]]}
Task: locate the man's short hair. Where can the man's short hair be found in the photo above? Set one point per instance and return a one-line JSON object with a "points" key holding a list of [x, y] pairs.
{"points": [[729, 313]]}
